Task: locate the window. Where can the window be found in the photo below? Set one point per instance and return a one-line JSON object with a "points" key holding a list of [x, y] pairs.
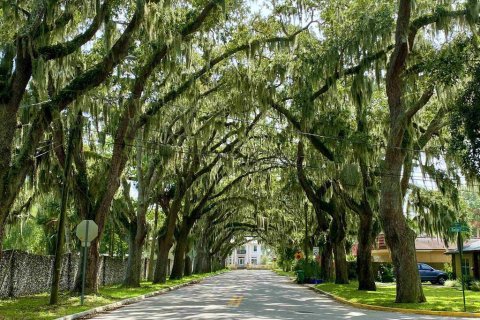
{"points": [[466, 267], [254, 248], [241, 261], [254, 261]]}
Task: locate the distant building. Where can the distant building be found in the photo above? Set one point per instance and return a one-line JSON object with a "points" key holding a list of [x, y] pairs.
{"points": [[429, 250], [471, 259], [250, 254]]}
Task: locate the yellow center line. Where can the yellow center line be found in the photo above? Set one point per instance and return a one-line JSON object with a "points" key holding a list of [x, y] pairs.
{"points": [[235, 301], [239, 301]]}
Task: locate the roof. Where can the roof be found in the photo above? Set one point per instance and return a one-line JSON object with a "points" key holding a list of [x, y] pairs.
{"points": [[469, 246], [422, 243], [428, 243]]}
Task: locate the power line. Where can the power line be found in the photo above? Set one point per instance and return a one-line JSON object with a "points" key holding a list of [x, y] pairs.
{"points": [[154, 145]]}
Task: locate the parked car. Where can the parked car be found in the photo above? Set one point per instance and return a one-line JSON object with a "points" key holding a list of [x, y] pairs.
{"points": [[427, 273]]}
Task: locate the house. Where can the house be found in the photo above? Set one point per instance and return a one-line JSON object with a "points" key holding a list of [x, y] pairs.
{"points": [[471, 259], [429, 250], [249, 254]]}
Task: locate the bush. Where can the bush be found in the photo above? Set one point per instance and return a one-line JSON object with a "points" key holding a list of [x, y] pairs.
{"points": [[475, 286], [385, 273], [310, 268], [447, 267], [352, 270], [468, 281], [453, 284]]}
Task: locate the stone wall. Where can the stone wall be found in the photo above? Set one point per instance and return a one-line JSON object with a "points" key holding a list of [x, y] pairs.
{"points": [[25, 274]]}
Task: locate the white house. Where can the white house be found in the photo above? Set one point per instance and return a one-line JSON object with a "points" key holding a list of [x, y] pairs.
{"points": [[250, 254]]}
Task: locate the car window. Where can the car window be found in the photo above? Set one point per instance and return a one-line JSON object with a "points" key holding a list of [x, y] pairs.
{"points": [[426, 266], [419, 266]]}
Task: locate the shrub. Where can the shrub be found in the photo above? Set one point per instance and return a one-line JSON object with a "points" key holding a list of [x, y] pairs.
{"points": [[453, 284], [447, 267], [352, 270], [385, 273], [475, 286], [310, 268], [468, 281]]}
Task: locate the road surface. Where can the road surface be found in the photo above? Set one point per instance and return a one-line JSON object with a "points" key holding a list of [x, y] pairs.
{"points": [[247, 295]]}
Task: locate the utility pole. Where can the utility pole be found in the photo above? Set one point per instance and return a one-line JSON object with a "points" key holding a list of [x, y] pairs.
{"points": [[60, 243]]}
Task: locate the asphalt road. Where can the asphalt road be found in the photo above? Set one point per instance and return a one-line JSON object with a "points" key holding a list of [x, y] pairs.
{"points": [[247, 295]]}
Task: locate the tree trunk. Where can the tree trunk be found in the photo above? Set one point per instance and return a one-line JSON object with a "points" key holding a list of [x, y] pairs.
{"points": [[341, 265], [165, 239], [202, 262], [338, 232], [151, 262], [180, 251], [188, 260], [164, 246], [188, 266], [91, 278], [326, 263], [134, 262], [59, 248], [8, 117], [398, 235], [366, 279]]}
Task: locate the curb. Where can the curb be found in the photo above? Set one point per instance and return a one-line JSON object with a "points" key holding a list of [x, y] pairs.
{"points": [[401, 310], [116, 305]]}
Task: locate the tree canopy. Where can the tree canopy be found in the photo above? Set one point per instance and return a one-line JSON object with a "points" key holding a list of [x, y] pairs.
{"points": [[195, 125]]}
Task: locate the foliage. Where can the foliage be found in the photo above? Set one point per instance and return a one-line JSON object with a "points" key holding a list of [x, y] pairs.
{"points": [[453, 284], [475, 286], [385, 273], [464, 124], [310, 268], [448, 269]]}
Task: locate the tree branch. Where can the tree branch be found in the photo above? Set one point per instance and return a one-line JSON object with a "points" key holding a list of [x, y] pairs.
{"points": [[63, 49], [427, 94]]}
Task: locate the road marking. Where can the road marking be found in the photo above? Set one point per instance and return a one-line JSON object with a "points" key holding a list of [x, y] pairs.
{"points": [[235, 301]]}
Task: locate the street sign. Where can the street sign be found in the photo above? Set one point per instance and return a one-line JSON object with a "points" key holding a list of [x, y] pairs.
{"points": [[459, 227], [87, 230], [316, 251]]}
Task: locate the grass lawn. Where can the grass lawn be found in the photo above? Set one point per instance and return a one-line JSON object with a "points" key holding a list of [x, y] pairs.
{"points": [[280, 272], [438, 298], [36, 307]]}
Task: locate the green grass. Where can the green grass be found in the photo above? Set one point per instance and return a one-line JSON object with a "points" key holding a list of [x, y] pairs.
{"points": [[280, 272], [438, 298], [36, 307]]}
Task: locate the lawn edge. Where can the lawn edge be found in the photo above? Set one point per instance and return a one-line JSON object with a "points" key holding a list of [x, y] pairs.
{"points": [[119, 304], [391, 309]]}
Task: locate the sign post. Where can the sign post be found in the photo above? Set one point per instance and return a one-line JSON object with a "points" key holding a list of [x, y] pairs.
{"points": [[459, 228], [316, 254], [87, 230]]}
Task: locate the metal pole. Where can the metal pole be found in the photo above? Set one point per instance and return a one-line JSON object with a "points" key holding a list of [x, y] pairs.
{"points": [[460, 245], [84, 264]]}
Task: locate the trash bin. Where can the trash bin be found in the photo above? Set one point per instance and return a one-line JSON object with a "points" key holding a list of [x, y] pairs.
{"points": [[300, 276]]}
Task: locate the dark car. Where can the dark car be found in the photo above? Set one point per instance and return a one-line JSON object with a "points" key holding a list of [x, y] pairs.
{"points": [[428, 273]]}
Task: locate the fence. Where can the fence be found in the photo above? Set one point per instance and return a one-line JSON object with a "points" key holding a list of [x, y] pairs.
{"points": [[25, 274]]}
